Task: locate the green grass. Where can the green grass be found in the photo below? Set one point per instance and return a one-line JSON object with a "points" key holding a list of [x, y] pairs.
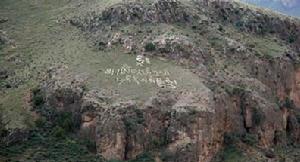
{"points": [[267, 46], [232, 154], [41, 147], [42, 43], [15, 107]]}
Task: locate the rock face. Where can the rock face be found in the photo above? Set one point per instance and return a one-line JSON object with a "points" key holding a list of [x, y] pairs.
{"points": [[179, 124], [178, 47], [258, 22], [258, 97], [158, 12]]}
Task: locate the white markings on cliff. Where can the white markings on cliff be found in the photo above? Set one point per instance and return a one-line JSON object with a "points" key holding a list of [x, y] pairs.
{"points": [[142, 74]]}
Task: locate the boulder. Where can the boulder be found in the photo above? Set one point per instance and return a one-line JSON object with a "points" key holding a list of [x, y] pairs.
{"points": [[178, 47]]}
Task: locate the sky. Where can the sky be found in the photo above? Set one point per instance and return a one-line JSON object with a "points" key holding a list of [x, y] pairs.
{"points": [[289, 7]]}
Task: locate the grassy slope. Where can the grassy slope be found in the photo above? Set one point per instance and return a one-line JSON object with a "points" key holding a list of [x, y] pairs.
{"points": [[42, 42]]}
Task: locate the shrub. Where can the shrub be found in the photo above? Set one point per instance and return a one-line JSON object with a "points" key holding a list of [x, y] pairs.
{"points": [[235, 90], [257, 116], [239, 24], [40, 122], [145, 157], [231, 138], [250, 139], [133, 122], [3, 130], [37, 99], [292, 38], [65, 121], [298, 117], [232, 153], [220, 28], [36, 91], [91, 145], [150, 47], [288, 103], [58, 132]]}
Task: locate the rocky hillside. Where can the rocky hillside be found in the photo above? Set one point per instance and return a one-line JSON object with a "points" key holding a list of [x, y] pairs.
{"points": [[170, 81]]}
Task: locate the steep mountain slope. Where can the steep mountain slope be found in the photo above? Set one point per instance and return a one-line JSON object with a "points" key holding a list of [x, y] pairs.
{"points": [[151, 80]]}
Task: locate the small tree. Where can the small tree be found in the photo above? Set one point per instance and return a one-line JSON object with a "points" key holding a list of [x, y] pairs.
{"points": [[150, 47]]}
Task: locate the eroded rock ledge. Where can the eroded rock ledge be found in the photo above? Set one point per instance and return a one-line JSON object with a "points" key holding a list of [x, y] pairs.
{"points": [[176, 124]]}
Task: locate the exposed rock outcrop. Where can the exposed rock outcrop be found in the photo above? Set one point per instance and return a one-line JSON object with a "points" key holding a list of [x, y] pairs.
{"points": [[178, 124], [159, 12], [258, 22], [178, 47]]}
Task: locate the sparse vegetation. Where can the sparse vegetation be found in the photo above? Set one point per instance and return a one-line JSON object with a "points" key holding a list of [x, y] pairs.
{"points": [[257, 116], [3, 124], [132, 122], [40, 122], [250, 139], [292, 38], [38, 100], [41, 146], [145, 157], [230, 154], [231, 138], [235, 90], [288, 103], [298, 116], [58, 132]]}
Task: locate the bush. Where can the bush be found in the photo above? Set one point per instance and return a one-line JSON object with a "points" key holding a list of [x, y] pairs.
{"points": [[150, 47], [58, 132], [3, 130], [132, 122], [298, 117], [292, 38], [65, 121], [91, 145], [231, 138], [37, 98], [145, 157], [232, 154], [239, 24], [36, 91], [250, 139], [257, 116], [235, 90], [40, 122], [288, 103]]}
